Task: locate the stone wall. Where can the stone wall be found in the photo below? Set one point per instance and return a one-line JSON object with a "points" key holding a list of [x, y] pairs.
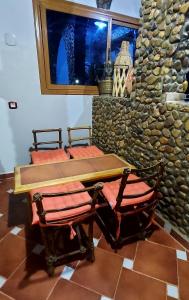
{"points": [[162, 55], [142, 134], [145, 128]]}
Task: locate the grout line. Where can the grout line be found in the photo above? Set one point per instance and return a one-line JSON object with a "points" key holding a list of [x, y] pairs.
{"points": [[117, 253], [111, 252], [178, 281], [118, 281], [23, 238], [169, 233], [85, 287], [51, 291], [166, 282], [152, 242], [4, 236], [16, 268], [25, 258], [135, 253], [6, 295], [179, 242]]}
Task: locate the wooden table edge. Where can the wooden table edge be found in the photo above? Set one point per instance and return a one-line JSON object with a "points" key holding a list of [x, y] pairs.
{"points": [[19, 188]]}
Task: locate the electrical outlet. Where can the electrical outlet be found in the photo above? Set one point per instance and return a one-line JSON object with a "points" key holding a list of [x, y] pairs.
{"points": [[12, 104]]}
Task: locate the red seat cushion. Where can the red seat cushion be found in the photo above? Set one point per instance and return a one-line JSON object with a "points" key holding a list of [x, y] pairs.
{"points": [[84, 151], [61, 202], [111, 189], [39, 157]]}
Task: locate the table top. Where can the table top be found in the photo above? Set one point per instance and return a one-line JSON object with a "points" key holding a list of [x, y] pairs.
{"points": [[30, 177]]}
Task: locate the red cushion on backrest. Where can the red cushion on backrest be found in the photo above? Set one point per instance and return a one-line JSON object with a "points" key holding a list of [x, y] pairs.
{"points": [[84, 151], [39, 157], [110, 191], [61, 202]]}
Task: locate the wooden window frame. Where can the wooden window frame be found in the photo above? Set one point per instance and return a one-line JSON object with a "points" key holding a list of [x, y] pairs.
{"points": [[39, 8]]}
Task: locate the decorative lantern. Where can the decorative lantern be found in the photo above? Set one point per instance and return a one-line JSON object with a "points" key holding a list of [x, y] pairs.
{"points": [[122, 67], [103, 4]]}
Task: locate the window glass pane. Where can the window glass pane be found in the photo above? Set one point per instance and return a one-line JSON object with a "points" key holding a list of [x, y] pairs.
{"points": [[77, 48], [122, 33]]}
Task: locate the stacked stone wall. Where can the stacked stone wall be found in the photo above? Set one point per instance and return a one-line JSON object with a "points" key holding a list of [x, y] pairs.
{"points": [[143, 134], [145, 128], [162, 55]]}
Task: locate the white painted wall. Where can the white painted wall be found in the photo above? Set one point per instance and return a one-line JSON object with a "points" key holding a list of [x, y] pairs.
{"points": [[19, 80]]}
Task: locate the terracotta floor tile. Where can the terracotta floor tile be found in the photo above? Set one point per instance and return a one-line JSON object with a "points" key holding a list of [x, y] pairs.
{"points": [[9, 182], [183, 274], [12, 253], [100, 276], [134, 286], [18, 210], [31, 281], [4, 229], [5, 297], [4, 202], [67, 290], [126, 251], [180, 239], [89, 281], [163, 238], [156, 261], [5, 216]]}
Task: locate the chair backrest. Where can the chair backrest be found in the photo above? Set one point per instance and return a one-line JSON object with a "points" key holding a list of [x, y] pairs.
{"points": [[38, 143], [141, 184], [72, 139], [38, 199]]}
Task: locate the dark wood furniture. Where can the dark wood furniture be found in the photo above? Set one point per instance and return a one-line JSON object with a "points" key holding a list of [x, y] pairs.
{"points": [[78, 150], [65, 207], [131, 201], [30, 177], [87, 138], [47, 151]]}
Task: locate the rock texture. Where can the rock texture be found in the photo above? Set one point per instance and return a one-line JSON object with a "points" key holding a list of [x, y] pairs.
{"points": [[145, 128], [143, 134], [162, 55]]}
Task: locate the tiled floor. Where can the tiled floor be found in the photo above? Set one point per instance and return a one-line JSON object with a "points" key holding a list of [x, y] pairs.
{"points": [[156, 269]]}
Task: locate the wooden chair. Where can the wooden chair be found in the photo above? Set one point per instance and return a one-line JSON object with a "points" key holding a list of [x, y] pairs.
{"points": [[60, 211], [47, 154], [131, 201], [82, 150]]}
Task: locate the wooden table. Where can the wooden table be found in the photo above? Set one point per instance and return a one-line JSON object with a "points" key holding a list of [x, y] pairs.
{"points": [[30, 177]]}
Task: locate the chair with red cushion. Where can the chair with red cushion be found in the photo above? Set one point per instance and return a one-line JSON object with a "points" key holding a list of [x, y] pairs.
{"points": [[40, 155], [82, 150], [131, 201], [60, 210]]}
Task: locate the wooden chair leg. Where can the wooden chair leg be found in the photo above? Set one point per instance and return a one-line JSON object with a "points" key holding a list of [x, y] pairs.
{"points": [[91, 256], [82, 248], [50, 266], [50, 259]]}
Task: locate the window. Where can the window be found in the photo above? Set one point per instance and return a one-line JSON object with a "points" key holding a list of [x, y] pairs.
{"points": [[74, 42]]}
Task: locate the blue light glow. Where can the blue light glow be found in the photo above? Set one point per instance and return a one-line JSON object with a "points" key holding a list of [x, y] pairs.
{"points": [[100, 25]]}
